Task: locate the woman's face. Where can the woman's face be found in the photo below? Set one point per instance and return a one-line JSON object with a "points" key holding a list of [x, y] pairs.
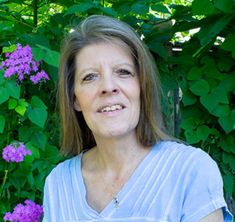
{"points": [[107, 90]]}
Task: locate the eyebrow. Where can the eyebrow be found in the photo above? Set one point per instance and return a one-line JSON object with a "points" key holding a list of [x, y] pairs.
{"points": [[127, 64], [115, 66]]}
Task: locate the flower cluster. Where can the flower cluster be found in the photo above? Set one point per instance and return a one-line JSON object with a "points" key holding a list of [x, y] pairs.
{"points": [[30, 212], [21, 64], [15, 152]]}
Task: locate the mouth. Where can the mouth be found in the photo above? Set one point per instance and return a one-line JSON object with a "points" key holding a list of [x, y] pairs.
{"points": [[111, 108]]}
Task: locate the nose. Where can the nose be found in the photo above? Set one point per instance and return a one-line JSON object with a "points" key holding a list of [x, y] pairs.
{"points": [[109, 85]]}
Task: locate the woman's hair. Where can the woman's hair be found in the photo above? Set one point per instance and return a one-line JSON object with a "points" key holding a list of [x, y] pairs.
{"points": [[76, 135]]}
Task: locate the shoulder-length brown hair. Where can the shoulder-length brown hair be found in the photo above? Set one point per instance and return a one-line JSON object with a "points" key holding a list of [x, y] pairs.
{"points": [[76, 135]]}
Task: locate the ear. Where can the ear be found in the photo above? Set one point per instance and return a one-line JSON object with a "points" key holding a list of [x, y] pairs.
{"points": [[77, 105]]}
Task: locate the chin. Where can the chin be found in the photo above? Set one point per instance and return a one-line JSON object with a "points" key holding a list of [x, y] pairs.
{"points": [[118, 133]]}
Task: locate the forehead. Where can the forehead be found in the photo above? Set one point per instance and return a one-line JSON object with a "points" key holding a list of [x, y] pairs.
{"points": [[104, 52]]}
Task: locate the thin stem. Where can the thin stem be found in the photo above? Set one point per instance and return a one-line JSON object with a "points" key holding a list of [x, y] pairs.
{"points": [[35, 12], [3, 182]]}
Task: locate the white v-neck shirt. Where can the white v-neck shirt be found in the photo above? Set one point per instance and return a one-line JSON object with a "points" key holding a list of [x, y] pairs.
{"points": [[173, 183]]}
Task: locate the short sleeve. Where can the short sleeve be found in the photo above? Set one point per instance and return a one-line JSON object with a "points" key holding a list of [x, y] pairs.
{"points": [[50, 199], [204, 190], [46, 202]]}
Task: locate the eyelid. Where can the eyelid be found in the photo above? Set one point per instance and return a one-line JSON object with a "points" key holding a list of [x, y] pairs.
{"points": [[85, 77], [126, 71]]}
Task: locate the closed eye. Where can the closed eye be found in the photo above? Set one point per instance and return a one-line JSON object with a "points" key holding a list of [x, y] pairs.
{"points": [[89, 77]]}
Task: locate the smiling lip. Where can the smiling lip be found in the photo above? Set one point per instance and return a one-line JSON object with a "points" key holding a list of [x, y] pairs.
{"points": [[111, 108]]}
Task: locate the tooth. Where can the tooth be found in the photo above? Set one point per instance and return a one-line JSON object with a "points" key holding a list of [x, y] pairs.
{"points": [[111, 108]]}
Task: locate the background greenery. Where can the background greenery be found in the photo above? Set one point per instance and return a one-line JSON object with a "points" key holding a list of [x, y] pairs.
{"points": [[193, 43]]}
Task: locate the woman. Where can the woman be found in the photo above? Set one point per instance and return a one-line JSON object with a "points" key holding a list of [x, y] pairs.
{"points": [[125, 168]]}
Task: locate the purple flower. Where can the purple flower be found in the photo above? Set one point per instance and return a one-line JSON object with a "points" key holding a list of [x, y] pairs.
{"points": [[38, 77], [30, 212], [21, 64], [15, 153]]}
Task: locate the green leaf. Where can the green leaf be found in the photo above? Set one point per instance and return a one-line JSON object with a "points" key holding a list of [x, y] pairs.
{"points": [[228, 83], [109, 11], [224, 5], [229, 44], [228, 183], [221, 110], [139, 9], [228, 143], [30, 179], [79, 8], [51, 57], [39, 139], [2, 123], [160, 7], [21, 107], [4, 94], [204, 7], [51, 153], [2, 79], [36, 38], [189, 123], [200, 87], [37, 116], [228, 122], [210, 31], [36, 102], [25, 133], [211, 101], [158, 48], [221, 94], [189, 98], [34, 150], [35, 153], [229, 158], [191, 137], [37, 112], [225, 63], [10, 48], [195, 73], [203, 132], [12, 103], [13, 89]]}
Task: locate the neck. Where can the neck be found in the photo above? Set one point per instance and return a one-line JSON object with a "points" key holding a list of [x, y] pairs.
{"points": [[116, 154]]}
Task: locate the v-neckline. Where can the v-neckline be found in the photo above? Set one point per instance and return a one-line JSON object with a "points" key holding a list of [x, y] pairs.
{"points": [[120, 194]]}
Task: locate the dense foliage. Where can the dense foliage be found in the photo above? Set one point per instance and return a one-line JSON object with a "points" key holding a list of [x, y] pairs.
{"points": [[193, 44]]}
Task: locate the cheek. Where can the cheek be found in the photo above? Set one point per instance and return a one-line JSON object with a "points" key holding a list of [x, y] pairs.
{"points": [[84, 98]]}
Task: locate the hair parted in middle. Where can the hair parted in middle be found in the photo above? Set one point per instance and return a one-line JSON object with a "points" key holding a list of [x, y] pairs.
{"points": [[95, 29]]}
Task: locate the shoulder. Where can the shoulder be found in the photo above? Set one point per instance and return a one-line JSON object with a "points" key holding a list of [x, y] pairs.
{"points": [[189, 162], [64, 169], [185, 151]]}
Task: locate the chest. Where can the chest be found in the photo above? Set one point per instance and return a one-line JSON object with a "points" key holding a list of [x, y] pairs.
{"points": [[101, 192]]}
